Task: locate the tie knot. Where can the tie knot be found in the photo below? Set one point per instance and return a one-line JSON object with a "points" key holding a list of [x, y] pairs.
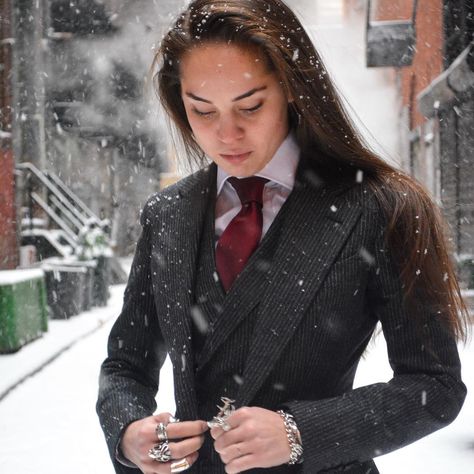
{"points": [[249, 189]]}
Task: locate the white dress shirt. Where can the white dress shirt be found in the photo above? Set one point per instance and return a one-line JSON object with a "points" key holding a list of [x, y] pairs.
{"points": [[280, 172]]}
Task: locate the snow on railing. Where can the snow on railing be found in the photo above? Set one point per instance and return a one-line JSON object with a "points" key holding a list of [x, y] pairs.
{"points": [[54, 190], [56, 218]]}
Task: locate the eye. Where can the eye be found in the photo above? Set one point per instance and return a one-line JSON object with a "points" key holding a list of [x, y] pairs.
{"points": [[202, 114], [252, 109]]}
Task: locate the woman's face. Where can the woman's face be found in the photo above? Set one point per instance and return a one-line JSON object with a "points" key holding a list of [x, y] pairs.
{"points": [[237, 109]]}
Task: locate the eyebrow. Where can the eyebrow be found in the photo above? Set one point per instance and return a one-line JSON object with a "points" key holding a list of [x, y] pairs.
{"points": [[240, 97]]}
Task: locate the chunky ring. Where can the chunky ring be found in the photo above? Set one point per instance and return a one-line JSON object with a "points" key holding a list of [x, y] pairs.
{"points": [[161, 433], [220, 420], [160, 452], [227, 409], [180, 466]]}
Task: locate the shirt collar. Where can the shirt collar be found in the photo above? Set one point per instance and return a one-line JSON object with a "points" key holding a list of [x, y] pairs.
{"points": [[281, 169]]}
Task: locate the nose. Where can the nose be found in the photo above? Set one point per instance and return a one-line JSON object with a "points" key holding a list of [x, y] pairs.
{"points": [[229, 130]]}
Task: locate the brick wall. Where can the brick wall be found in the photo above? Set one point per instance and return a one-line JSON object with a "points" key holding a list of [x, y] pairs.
{"points": [[428, 60], [8, 230], [8, 238]]}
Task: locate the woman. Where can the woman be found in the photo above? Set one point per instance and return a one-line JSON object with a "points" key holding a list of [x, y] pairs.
{"points": [[271, 299]]}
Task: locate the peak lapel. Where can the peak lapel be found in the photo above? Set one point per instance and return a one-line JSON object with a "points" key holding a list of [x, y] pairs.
{"points": [[174, 255], [244, 295], [318, 222]]}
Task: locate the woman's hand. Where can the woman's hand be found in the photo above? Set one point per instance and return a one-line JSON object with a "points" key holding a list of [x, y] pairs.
{"points": [[257, 438], [185, 439]]}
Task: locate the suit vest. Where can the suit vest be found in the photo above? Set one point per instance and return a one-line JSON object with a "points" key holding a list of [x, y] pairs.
{"points": [[222, 374]]}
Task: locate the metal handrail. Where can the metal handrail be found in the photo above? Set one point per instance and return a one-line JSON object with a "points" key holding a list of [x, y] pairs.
{"points": [[51, 187], [75, 206], [69, 232], [75, 222], [73, 197]]}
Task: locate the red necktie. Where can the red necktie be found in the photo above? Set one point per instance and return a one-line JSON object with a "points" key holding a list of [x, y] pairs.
{"points": [[242, 236]]}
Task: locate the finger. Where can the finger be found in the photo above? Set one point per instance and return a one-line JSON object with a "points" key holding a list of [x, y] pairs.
{"points": [[235, 436], [162, 417], [174, 466], [238, 417], [216, 433], [234, 451], [185, 429], [241, 464], [187, 446], [184, 464], [242, 414]]}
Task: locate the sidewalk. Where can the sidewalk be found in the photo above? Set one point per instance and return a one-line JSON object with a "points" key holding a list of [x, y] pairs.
{"points": [[61, 336], [48, 423], [450, 450]]}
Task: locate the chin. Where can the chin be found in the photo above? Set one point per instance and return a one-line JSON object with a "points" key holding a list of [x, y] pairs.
{"points": [[243, 172]]}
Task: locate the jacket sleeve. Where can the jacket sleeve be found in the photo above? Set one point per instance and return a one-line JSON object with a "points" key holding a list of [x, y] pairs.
{"points": [[425, 394], [129, 375]]}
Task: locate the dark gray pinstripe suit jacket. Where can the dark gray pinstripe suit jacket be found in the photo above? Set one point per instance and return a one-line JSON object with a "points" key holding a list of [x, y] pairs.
{"points": [[315, 305]]}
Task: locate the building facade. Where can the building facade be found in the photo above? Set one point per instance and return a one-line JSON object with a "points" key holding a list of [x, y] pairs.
{"points": [[436, 108], [74, 102]]}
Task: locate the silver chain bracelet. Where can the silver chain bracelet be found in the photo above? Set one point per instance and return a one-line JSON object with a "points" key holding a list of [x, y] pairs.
{"points": [[296, 454]]}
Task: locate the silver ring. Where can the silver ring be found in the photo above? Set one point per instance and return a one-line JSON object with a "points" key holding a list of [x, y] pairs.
{"points": [[160, 452], [161, 433], [227, 409], [220, 420], [180, 466]]}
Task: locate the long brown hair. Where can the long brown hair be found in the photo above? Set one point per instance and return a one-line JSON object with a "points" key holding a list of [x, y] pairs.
{"points": [[415, 232]]}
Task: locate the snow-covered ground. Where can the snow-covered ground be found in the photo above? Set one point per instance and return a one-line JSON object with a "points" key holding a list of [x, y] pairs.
{"points": [[447, 451], [48, 423]]}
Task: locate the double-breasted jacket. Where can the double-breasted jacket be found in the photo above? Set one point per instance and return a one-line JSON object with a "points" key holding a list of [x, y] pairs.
{"points": [[289, 333]]}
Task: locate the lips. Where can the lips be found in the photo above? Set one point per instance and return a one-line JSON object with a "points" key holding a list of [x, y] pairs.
{"points": [[236, 156]]}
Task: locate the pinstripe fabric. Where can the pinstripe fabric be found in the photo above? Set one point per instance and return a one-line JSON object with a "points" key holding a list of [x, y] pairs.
{"points": [[294, 327], [222, 376]]}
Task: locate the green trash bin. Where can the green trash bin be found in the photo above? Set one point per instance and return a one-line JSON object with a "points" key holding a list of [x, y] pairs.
{"points": [[23, 308]]}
